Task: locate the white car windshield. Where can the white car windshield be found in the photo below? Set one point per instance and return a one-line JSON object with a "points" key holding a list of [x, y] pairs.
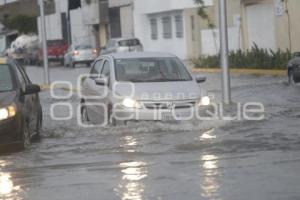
{"points": [[151, 70], [6, 83]]}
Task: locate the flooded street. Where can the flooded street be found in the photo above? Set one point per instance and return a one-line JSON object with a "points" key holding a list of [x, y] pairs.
{"points": [[209, 160]]}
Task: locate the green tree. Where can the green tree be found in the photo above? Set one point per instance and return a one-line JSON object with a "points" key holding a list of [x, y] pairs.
{"points": [[22, 23], [203, 14]]}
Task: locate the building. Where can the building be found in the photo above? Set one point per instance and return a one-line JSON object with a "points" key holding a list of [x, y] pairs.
{"points": [[121, 18], [175, 26], [167, 26], [85, 22]]}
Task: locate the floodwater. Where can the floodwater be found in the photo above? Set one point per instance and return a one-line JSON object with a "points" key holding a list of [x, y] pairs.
{"points": [[209, 160]]}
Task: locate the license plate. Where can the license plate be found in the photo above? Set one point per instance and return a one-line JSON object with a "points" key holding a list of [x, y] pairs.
{"points": [[167, 116]]}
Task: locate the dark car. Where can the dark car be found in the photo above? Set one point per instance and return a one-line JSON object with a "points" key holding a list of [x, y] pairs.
{"points": [[20, 108], [294, 69]]}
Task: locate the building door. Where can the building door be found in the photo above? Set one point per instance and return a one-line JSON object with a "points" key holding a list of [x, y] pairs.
{"points": [[115, 22], [261, 25]]}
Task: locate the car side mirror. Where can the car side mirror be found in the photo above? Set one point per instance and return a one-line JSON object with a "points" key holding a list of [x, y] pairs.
{"points": [[32, 89], [200, 79], [101, 81]]}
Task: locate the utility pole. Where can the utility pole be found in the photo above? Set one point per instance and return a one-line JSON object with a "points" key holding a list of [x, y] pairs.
{"points": [[44, 42], [226, 91]]}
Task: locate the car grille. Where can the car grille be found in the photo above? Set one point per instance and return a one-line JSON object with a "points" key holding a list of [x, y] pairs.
{"points": [[169, 105]]}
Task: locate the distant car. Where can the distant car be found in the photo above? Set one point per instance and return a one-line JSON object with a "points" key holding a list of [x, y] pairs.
{"points": [[80, 54], [20, 108], [56, 51], [294, 69], [139, 87], [118, 45]]}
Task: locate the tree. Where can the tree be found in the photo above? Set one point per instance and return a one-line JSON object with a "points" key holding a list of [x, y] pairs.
{"points": [[203, 14], [22, 23]]}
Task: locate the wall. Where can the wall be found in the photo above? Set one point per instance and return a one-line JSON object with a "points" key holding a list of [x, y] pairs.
{"points": [[119, 3], [81, 33], [174, 45], [53, 27], [282, 27], [156, 6], [126, 16]]}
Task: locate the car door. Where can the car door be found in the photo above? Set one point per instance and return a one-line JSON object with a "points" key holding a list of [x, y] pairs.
{"points": [[104, 92], [90, 88], [29, 103]]}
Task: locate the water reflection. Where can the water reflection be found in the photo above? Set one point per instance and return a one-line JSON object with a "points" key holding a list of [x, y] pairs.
{"points": [[129, 143], [208, 135], [210, 181], [8, 190], [133, 175]]}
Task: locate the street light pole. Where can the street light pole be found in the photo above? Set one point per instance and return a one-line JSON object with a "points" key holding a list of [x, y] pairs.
{"points": [[226, 93], [44, 42]]}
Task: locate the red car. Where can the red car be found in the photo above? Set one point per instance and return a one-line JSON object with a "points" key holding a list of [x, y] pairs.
{"points": [[56, 51]]}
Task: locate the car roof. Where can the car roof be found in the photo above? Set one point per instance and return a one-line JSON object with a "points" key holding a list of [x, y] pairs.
{"points": [[128, 55], [124, 38]]}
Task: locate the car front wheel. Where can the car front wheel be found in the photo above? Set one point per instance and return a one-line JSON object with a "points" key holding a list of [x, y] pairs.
{"points": [[26, 140], [291, 78]]}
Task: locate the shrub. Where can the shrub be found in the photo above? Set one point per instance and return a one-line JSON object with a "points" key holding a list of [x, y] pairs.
{"points": [[256, 57]]}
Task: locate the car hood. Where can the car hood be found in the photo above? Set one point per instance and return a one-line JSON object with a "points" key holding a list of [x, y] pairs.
{"points": [[6, 98], [159, 91]]}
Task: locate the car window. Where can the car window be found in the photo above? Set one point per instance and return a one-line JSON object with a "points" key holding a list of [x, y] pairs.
{"points": [[21, 79], [97, 67], [151, 70], [131, 42], [6, 82], [106, 69], [111, 43], [83, 47], [27, 80]]}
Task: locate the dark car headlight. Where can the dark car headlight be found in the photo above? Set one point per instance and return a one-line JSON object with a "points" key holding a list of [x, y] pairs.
{"points": [[8, 112]]}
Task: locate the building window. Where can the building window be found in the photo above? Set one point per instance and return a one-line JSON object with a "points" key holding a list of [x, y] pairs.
{"points": [[167, 27], [179, 26], [153, 23]]}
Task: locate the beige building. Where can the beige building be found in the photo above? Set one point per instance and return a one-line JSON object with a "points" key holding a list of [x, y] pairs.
{"points": [[271, 24]]}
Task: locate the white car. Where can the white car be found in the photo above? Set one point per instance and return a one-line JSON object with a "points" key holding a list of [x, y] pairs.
{"points": [[139, 87], [80, 54], [118, 45]]}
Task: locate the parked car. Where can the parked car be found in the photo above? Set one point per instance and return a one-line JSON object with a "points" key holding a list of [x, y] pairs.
{"points": [[139, 86], [56, 51], [20, 108], [80, 54], [294, 69], [117, 45]]}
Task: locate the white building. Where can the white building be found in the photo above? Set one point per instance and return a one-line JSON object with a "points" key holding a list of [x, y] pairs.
{"points": [[84, 22], [121, 18], [166, 26]]}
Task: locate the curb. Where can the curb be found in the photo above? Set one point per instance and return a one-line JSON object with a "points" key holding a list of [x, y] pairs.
{"points": [[270, 72], [45, 87]]}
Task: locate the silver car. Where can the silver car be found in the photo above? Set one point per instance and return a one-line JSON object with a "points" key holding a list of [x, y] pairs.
{"points": [[80, 54], [139, 87], [294, 69], [118, 45]]}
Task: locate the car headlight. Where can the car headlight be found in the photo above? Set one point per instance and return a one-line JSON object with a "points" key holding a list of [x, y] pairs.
{"points": [[130, 103], [205, 101], [8, 112]]}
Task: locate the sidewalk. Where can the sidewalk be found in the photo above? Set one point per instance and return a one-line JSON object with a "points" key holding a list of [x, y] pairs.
{"points": [[270, 72]]}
